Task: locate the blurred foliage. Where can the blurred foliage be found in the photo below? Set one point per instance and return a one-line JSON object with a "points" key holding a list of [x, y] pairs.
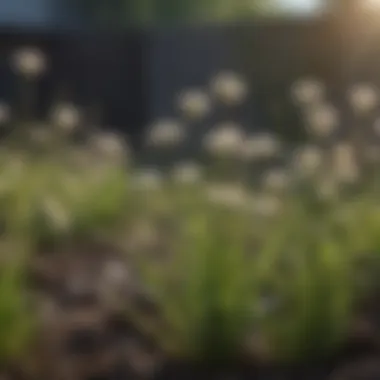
{"points": [[53, 200], [17, 325], [262, 268], [132, 12]]}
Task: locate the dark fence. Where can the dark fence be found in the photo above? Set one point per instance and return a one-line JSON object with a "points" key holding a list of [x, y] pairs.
{"points": [[131, 78], [103, 74]]}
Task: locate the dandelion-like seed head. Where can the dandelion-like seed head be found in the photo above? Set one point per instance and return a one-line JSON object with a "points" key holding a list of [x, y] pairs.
{"points": [[363, 97], [66, 116], [227, 195], [307, 91], [328, 187], [56, 214], [109, 145], [148, 179], [29, 62], [260, 146], [276, 180], [345, 166], [225, 140], [308, 159], [165, 133], [194, 104], [265, 205], [344, 152], [187, 173], [322, 120], [229, 88]]}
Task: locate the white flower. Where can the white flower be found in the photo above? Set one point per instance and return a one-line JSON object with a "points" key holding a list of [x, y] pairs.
{"points": [[276, 179], [56, 214], [308, 160], [344, 153], [110, 145], [225, 140], [307, 91], [229, 88], [5, 113], [266, 205], [363, 97], [322, 120], [260, 146], [230, 195], [345, 166], [187, 173], [29, 62], [195, 104], [165, 133], [66, 116], [327, 187], [148, 179]]}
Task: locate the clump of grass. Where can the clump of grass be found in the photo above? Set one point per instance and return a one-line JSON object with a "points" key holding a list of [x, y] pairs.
{"points": [[206, 297], [302, 220], [18, 325], [51, 202], [312, 276], [210, 292], [55, 189], [234, 236]]}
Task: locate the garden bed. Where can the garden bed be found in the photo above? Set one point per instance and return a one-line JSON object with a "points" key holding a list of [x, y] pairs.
{"points": [[253, 261], [86, 335]]}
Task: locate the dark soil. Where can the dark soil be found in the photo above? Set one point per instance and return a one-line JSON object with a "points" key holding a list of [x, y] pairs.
{"points": [[85, 335]]}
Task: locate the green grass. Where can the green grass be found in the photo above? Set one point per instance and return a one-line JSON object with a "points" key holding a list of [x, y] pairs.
{"points": [[17, 322], [219, 273]]}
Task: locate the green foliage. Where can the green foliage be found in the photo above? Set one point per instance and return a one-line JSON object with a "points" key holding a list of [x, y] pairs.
{"points": [[47, 200], [213, 293], [205, 299], [313, 280], [292, 278], [232, 266], [17, 325], [126, 12]]}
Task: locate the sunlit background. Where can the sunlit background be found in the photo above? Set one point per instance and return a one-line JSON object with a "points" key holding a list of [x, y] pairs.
{"points": [[51, 12]]}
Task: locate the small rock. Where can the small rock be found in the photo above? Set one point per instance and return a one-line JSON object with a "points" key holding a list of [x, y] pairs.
{"points": [[115, 273], [367, 369]]}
